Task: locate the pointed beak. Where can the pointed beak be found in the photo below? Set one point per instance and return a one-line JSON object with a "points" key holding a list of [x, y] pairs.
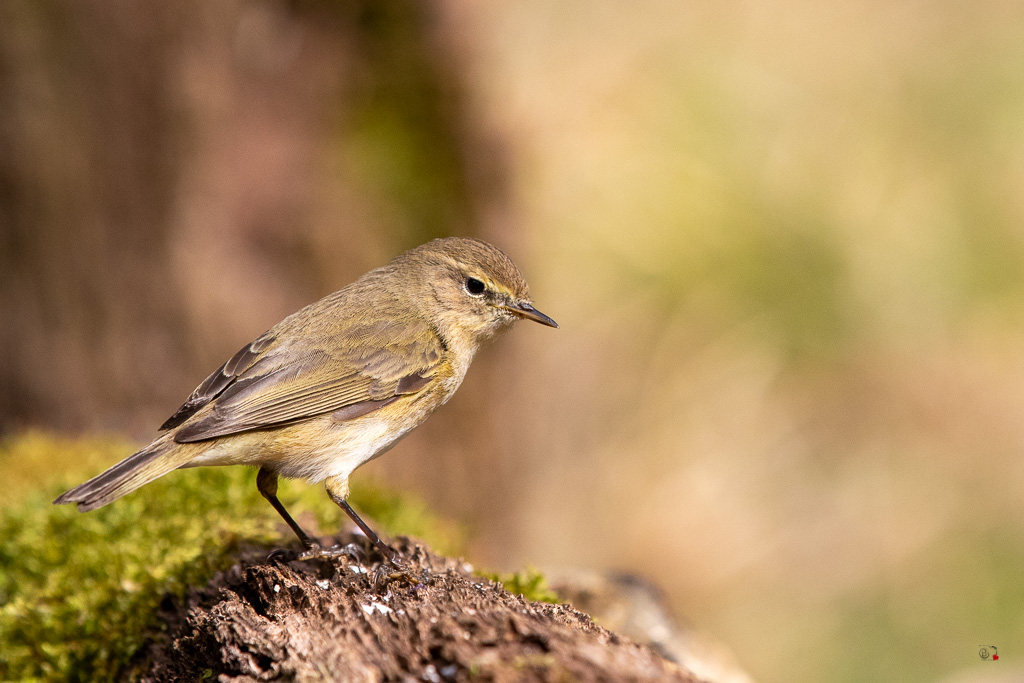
{"points": [[524, 309]]}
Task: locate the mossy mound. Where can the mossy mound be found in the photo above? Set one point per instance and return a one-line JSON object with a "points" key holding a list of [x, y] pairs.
{"points": [[79, 593]]}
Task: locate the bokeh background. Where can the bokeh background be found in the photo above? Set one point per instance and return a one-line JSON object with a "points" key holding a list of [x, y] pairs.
{"points": [[784, 240]]}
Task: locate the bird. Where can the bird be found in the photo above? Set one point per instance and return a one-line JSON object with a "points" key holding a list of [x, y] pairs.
{"points": [[337, 383]]}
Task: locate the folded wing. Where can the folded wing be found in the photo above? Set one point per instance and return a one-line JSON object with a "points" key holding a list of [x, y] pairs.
{"points": [[270, 384]]}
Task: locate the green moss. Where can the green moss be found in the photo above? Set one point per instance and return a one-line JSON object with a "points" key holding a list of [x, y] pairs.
{"points": [[32, 459], [79, 592], [530, 583]]}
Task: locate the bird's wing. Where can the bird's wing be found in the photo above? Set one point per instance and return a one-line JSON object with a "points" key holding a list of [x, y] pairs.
{"points": [[270, 383], [220, 378]]}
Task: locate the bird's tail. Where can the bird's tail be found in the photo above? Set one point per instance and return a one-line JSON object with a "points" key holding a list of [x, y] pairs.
{"points": [[153, 461]]}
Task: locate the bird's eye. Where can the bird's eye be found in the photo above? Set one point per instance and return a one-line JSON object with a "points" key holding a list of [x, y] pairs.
{"points": [[474, 287]]}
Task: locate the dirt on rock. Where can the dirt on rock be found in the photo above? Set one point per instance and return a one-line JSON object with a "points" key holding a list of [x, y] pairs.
{"points": [[324, 620]]}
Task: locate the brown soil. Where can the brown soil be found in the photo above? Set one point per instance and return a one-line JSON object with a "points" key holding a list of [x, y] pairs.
{"points": [[324, 620]]}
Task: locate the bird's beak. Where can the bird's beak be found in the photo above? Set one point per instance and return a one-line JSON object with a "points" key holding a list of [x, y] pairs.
{"points": [[524, 309]]}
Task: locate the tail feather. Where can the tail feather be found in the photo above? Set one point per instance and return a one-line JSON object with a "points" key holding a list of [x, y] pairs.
{"points": [[135, 471]]}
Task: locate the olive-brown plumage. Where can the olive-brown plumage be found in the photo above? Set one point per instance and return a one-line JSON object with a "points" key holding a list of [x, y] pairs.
{"points": [[340, 381]]}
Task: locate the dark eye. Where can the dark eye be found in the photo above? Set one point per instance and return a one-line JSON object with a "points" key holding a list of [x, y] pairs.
{"points": [[474, 286]]}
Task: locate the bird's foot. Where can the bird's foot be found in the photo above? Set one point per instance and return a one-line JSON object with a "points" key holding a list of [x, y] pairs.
{"points": [[393, 569], [351, 551], [314, 551]]}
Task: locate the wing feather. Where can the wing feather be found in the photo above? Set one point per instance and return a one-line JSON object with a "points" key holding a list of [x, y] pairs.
{"points": [[269, 384], [220, 379]]}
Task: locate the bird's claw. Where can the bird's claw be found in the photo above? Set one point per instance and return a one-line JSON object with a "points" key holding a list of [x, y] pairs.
{"points": [[394, 570], [350, 550], [283, 556], [314, 551]]}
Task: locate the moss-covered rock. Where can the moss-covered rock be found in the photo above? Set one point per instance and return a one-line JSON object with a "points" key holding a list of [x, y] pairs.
{"points": [[79, 593]]}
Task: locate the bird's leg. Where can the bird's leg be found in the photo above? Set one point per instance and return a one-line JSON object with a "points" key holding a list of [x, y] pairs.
{"points": [[266, 482], [337, 489]]}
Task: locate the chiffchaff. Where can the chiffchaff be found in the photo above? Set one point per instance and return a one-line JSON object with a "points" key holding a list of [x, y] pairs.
{"points": [[339, 382]]}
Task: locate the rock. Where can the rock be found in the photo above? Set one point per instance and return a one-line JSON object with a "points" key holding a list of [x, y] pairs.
{"points": [[325, 620]]}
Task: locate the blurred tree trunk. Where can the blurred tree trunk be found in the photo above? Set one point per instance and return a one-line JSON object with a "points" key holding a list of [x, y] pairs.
{"points": [[175, 178], [87, 180]]}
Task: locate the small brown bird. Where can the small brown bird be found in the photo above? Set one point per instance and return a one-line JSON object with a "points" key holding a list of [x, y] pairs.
{"points": [[337, 383]]}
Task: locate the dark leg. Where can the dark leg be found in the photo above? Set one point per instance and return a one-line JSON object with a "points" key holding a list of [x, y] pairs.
{"points": [[337, 489], [387, 551], [266, 482]]}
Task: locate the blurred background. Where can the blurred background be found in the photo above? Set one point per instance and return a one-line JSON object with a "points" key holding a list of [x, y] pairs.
{"points": [[784, 241]]}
